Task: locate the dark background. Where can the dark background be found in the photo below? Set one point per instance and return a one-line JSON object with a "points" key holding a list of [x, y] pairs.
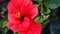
{"points": [[53, 27]]}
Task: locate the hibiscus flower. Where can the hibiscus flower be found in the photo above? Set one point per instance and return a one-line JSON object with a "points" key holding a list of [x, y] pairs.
{"points": [[21, 15]]}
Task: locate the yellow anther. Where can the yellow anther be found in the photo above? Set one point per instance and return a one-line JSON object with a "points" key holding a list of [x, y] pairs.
{"points": [[17, 14]]}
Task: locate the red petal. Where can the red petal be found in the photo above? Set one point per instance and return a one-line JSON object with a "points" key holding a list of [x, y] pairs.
{"points": [[34, 28], [26, 8], [14, 5], [12, 19], [20, 26]]}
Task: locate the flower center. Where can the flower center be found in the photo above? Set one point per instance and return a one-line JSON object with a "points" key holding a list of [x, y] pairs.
{"points": [[22, 18], [18, 15]]}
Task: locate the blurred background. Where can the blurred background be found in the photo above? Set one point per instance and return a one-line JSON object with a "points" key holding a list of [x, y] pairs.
{"points": [[49, 16]]}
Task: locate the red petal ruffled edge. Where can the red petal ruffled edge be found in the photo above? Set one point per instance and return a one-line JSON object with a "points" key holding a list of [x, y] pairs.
{"points": [[34, 28], [26, 8], [20, 26], [14, 5]]}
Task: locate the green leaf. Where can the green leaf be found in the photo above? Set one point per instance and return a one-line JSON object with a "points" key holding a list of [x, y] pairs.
{"points": [[46, 11], [39, 19], [47, 17], [4, 23], [44, 26], [15, 33], [52, 3], [4, 30], [38, 1]]}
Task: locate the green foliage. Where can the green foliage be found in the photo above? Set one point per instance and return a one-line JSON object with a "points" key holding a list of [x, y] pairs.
{"points": [[4, 23], [52, 3], [37, 1], [46, 10], [4, 30], [44, 13], [44, 26], [39, 19], [15, 33]]}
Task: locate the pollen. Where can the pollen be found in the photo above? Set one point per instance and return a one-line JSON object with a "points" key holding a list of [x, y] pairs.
{"points": [[17, 14]]}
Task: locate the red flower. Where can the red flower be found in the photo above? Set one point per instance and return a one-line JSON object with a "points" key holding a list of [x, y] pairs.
{"points": [[20, 15]]}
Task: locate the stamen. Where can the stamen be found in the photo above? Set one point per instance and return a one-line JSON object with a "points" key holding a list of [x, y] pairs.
{"points": [[17, 14]]}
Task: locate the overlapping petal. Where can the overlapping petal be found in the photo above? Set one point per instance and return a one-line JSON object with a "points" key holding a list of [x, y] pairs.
{"points": [[26, 9], [20, 26], [34, 28]]}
